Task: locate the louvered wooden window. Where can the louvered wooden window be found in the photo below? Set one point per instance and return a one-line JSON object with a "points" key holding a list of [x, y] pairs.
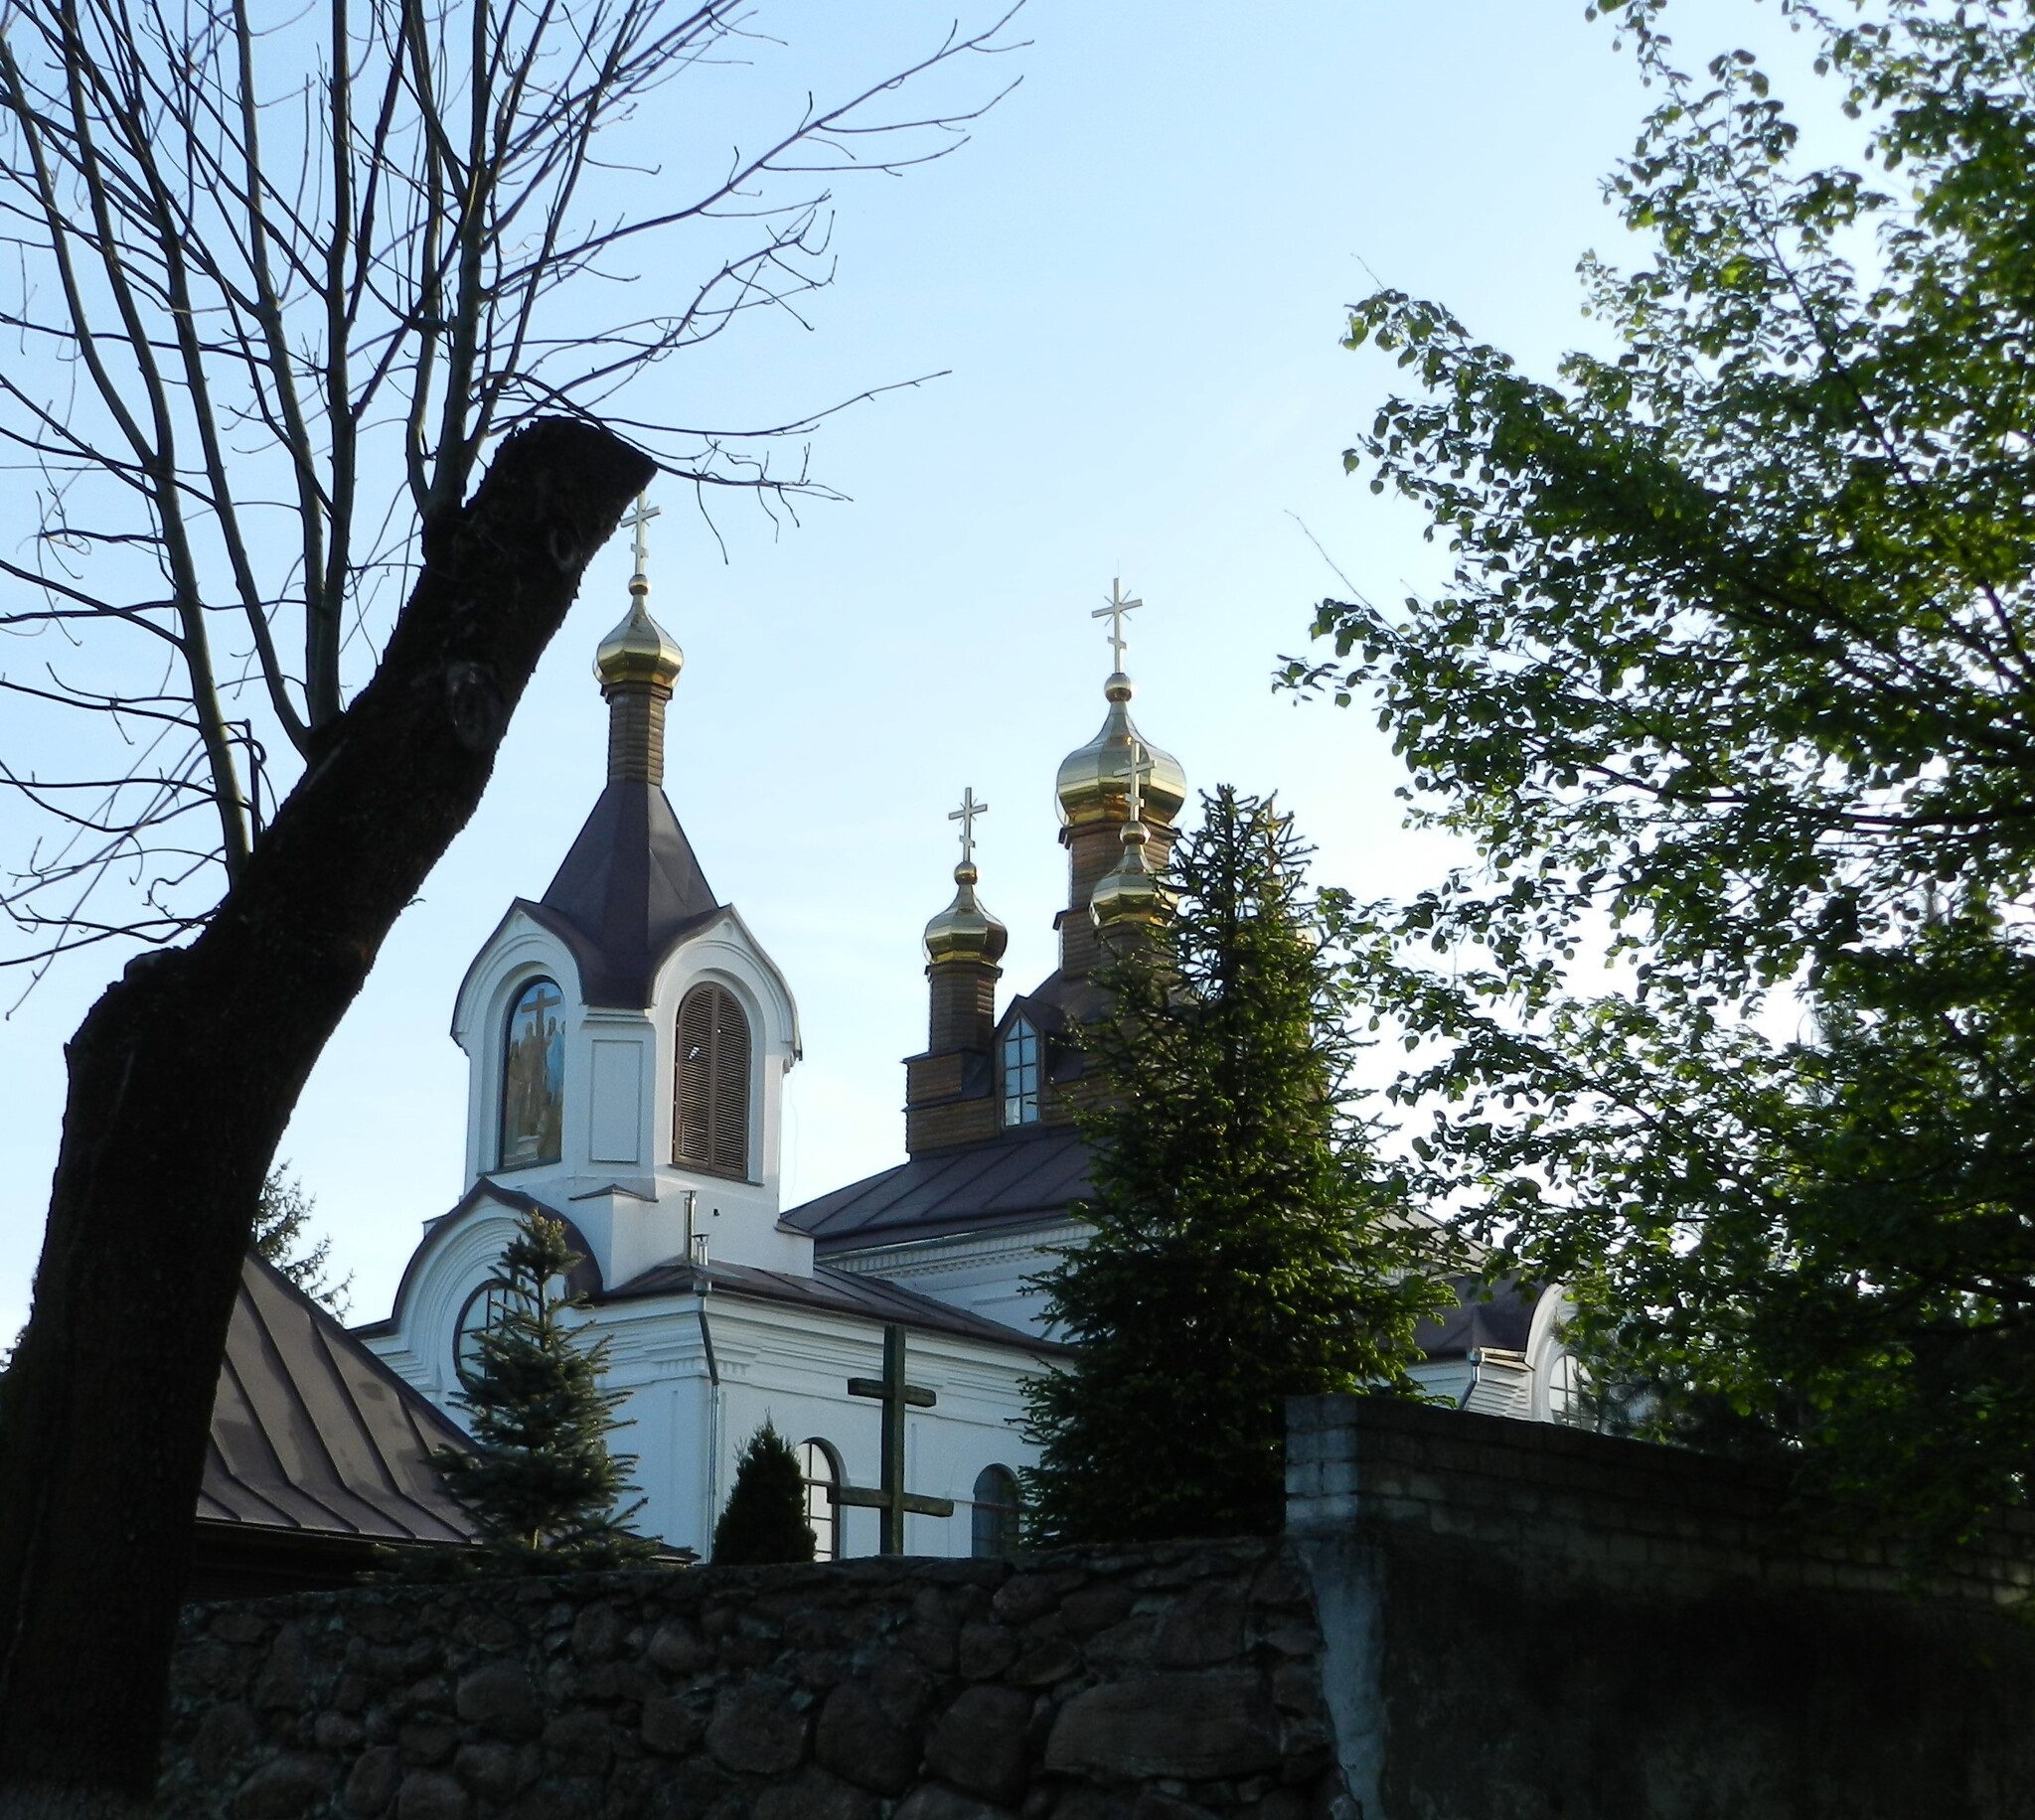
{"points": [[710, 1101]]}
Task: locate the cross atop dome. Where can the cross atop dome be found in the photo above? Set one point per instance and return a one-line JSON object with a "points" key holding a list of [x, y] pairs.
{"points": [[641, 515], [966, 814], [1114, 612]]}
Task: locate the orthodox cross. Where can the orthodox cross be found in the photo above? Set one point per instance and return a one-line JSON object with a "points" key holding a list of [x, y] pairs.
{"points": [[1114, 613], [889, 1496], [636, 521], [1139, 768], [966, 814]]}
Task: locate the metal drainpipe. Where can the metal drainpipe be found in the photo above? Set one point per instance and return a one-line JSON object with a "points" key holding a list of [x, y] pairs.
{"points": [[695, 1255], [1476, 1375]]}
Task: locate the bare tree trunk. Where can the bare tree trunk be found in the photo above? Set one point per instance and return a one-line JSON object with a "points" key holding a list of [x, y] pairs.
{"points": [[182, 1079]]}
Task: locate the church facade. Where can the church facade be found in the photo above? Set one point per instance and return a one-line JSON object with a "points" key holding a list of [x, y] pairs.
{"points": [[627, 1040]]}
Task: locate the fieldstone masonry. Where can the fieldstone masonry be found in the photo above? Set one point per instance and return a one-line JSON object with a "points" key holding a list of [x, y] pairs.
{"points": [[1468, 1618], [1159, 1684]]}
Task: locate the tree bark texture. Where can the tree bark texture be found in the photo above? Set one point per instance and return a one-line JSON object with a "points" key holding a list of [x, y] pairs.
{"points": [[182, 1079]]}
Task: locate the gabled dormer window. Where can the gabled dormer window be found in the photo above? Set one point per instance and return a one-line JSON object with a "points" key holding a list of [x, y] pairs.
{"points": [[1019, 1064], [533, 1078], [711, 1095]]}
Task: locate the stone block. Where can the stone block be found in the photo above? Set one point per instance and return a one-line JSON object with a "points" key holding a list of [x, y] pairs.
{"points": [[856, 1739], [371, 1784], [1096, 1607], [757, 1729], [580, 1743], [282, 1789], [1205, 1627], [931, 1801], [979, 1743], [286, 1674], [668, 1725], [1053, 1659], [430, 1795], [499, 1698], [1195, 1728], [224, 1733], [424, 1743], [815, 1795], [985, 1650], [597, 1633], [493, 1772]]}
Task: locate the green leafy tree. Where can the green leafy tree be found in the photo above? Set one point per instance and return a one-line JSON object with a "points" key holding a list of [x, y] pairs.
{"points": [[1243, 1244], [540, 1481], [1736, 670], [764, 1519], [281, 1217]]}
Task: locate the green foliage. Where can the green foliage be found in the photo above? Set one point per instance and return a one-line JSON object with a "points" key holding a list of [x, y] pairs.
{"points": [[1243, 1246], [541, 1482], [280, 1218], [764, 1519], [1737, 668]]}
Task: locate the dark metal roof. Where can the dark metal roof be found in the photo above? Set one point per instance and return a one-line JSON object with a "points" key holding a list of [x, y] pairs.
{"points": [[1504, 1321], [314, 1434], [1024, 1177], [629, 888], [833, 1292]]}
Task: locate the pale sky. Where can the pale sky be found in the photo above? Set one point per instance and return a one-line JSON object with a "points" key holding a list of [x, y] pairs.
{"points": [[1134, 277]]}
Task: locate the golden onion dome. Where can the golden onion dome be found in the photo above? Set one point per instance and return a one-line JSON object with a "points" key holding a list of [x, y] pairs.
{"points": [[965, 931], [639, 649], [1128, 895], [1094, 783]]}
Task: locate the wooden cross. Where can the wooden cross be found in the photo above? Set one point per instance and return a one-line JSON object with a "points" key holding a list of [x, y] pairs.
{"points": [[636, 521], [1114, 613], [966, 814], [889, 1496]]}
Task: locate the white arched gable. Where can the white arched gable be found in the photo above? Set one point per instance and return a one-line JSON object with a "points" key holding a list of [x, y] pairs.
{"points": [[1548, 1357], [726, 951], [455, 1258]]}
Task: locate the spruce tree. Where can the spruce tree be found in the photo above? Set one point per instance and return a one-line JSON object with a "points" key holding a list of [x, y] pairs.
{"points": [[1242, 1247], [764, 1519], [541, 1482]]}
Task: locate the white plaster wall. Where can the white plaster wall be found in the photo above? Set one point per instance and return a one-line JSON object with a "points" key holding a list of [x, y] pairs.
{"points": [[984, 1274]]}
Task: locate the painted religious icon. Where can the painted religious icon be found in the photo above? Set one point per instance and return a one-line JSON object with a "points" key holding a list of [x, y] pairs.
{"points": [[534, 1077]]}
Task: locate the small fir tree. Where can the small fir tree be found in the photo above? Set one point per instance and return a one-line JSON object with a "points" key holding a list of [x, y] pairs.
{"points": [[1242, 1247], [280, 1217], [765, 1516], [541, 1482]]}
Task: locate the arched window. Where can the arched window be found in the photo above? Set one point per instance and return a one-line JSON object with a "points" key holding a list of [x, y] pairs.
{"points": [[533, 1077], [820, 1470], [483, 1309], [1019, 1060], [995, 1519], [710, 1097]]}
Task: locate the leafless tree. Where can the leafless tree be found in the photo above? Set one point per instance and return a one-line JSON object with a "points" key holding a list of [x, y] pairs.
{"points": [[272, 286]]}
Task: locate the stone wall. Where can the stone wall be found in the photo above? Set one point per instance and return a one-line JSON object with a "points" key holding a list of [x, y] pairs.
{"points": [[1525, 1622], [1158, 1684]]}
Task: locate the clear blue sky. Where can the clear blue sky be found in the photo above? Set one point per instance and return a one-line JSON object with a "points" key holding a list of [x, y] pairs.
{"points": [[1134, 279]]}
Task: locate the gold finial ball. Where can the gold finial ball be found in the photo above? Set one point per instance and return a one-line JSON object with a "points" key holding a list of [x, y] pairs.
{"points": [[965, 931], [639, 650], [1094, 783]]}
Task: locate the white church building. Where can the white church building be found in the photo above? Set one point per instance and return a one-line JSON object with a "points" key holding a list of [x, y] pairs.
{"points": [[627, 1040]]}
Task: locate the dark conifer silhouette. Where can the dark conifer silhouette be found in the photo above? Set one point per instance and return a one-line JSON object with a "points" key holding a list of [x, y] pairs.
{"points": [[541, 1482], [765, 1516]]}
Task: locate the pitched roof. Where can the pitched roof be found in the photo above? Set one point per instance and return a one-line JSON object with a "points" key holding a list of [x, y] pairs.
{"points": [[828, 1290], [312, 1434], [1501, 1320], [1011, 1180], [629, 888]]}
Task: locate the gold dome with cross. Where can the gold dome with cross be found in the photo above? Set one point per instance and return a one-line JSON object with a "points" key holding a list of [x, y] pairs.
{"points": [[1094, 782]]}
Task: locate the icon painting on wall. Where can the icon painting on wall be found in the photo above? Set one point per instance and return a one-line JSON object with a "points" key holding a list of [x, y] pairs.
{"points": [[534, 1077]]}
